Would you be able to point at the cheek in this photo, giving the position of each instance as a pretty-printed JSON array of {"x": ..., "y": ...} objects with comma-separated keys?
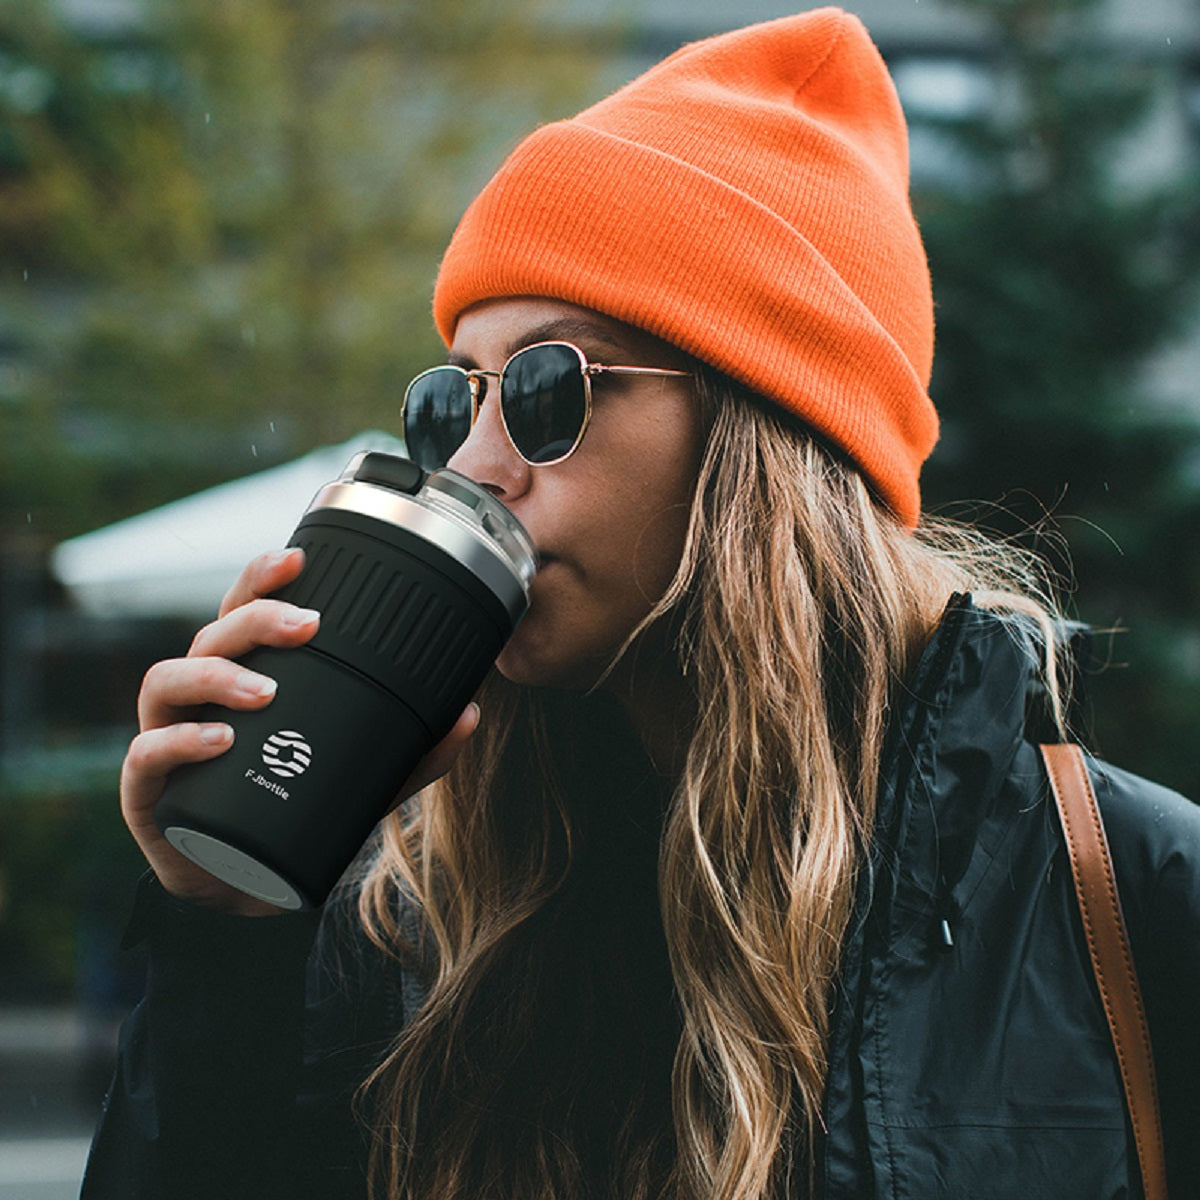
[
  {"x": 621, "y": 516},
  {"x": 655, "y": 555},
  {"x": 627, "y": 548},
  {"x": 645, "y": 540}
]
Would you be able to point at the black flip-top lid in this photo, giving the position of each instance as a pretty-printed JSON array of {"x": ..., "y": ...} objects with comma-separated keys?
[{"x": 387, "y": 470}]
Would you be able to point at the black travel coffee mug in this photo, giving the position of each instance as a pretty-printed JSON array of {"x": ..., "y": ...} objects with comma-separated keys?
[{"x": 420, "y": 579}]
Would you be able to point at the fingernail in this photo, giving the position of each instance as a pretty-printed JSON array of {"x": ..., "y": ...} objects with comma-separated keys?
[
  {"x": 295, "y": 617},
  {"x": 215, "y": 735},
  {"x": 251, "y": 684}
]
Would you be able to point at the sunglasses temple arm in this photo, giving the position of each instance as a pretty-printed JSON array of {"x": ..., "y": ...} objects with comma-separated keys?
[{"x": 600, "y": 368}]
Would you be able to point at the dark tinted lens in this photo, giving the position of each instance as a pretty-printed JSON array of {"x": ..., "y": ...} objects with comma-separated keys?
[
  {"x": 437, "y": 416},
  {"x": 544, "y": 402}
]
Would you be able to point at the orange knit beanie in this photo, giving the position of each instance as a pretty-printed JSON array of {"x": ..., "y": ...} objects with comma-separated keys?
[{"x": 747, "y": 201}]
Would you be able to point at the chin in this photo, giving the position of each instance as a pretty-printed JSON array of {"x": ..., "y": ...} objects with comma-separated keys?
[
  {"x": 541, "y": 666},
  {"x": 567, "y": 677}
]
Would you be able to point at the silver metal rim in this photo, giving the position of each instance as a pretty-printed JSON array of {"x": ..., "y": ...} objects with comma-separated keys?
[{"x": 452, "y": 526}]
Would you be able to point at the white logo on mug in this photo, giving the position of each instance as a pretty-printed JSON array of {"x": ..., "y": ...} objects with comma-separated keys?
[{"x": 286, "y": 754}]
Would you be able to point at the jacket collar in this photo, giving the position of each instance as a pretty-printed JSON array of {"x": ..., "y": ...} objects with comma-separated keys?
[{"x": 975, "y": 699}]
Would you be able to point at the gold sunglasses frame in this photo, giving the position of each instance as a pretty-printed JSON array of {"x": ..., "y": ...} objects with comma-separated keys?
[{"x": 477, "y": 376}]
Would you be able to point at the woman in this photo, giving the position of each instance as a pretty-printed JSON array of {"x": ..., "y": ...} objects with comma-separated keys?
[{"x": 747, "y": 883}]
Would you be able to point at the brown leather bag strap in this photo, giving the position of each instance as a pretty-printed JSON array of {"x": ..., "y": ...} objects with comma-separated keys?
[{"x": 1112, "y": 962}]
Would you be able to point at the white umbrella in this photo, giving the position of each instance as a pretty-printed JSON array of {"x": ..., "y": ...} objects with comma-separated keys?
[{"x": 178, "y": 560}]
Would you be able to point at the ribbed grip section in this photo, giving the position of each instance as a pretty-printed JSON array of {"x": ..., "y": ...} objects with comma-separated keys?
[{"x": 388, "y": 612}]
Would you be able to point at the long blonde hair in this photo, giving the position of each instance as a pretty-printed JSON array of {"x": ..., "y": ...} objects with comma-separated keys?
[{"x": 797, "y": 608}]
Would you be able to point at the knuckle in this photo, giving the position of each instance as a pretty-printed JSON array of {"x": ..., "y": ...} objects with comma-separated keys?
[
  {"x": 154, "y": 677},
  {"x": 139, "y": 757},
  {"x": 202, "y": 638},
  {"x": 251, "y": 582},
  {"x": 236, "y": 596},
  {"x": 209, "y": 674},
  {"x": 199, "y": 674},
  {"x": 262, "y": 563}
]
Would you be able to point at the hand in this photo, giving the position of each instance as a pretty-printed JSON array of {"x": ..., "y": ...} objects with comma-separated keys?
[{"x": 171, "y": 735}]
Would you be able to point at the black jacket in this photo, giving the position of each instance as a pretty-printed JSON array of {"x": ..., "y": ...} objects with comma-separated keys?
[{"x": 969, "y": 1054}]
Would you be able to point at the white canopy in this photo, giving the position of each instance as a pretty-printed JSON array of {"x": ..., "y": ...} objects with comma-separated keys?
[{"x": 178, "y": 560}]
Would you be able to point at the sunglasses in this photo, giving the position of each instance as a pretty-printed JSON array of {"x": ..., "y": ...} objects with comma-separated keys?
[{"x": 545, "y": 404}]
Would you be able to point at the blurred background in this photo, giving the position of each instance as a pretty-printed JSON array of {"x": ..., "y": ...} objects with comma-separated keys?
[{"x": 219, "y": 224}]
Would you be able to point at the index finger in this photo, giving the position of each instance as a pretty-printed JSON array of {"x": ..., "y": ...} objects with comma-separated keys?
[{"x": 262, "y": 576}]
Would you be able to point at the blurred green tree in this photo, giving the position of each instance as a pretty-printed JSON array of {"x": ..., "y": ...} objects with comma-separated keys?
[
  {"x": 1057, "y": 276},
  {"x": 220, "y": 223}
]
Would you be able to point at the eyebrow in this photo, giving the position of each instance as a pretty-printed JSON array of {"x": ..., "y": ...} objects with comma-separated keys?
[{"x": 560, "y": 329}]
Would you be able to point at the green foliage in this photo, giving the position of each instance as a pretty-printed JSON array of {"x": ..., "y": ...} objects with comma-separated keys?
[
  {"x": 1057, "y": 277},
  {"x": 219, "y": 229}
]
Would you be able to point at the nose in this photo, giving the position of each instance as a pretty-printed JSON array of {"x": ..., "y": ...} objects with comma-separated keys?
[{"x": 489, "y": 458}]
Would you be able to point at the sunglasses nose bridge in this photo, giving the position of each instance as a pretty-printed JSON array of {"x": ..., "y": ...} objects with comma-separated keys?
[{"x": 477, "y": 380}]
